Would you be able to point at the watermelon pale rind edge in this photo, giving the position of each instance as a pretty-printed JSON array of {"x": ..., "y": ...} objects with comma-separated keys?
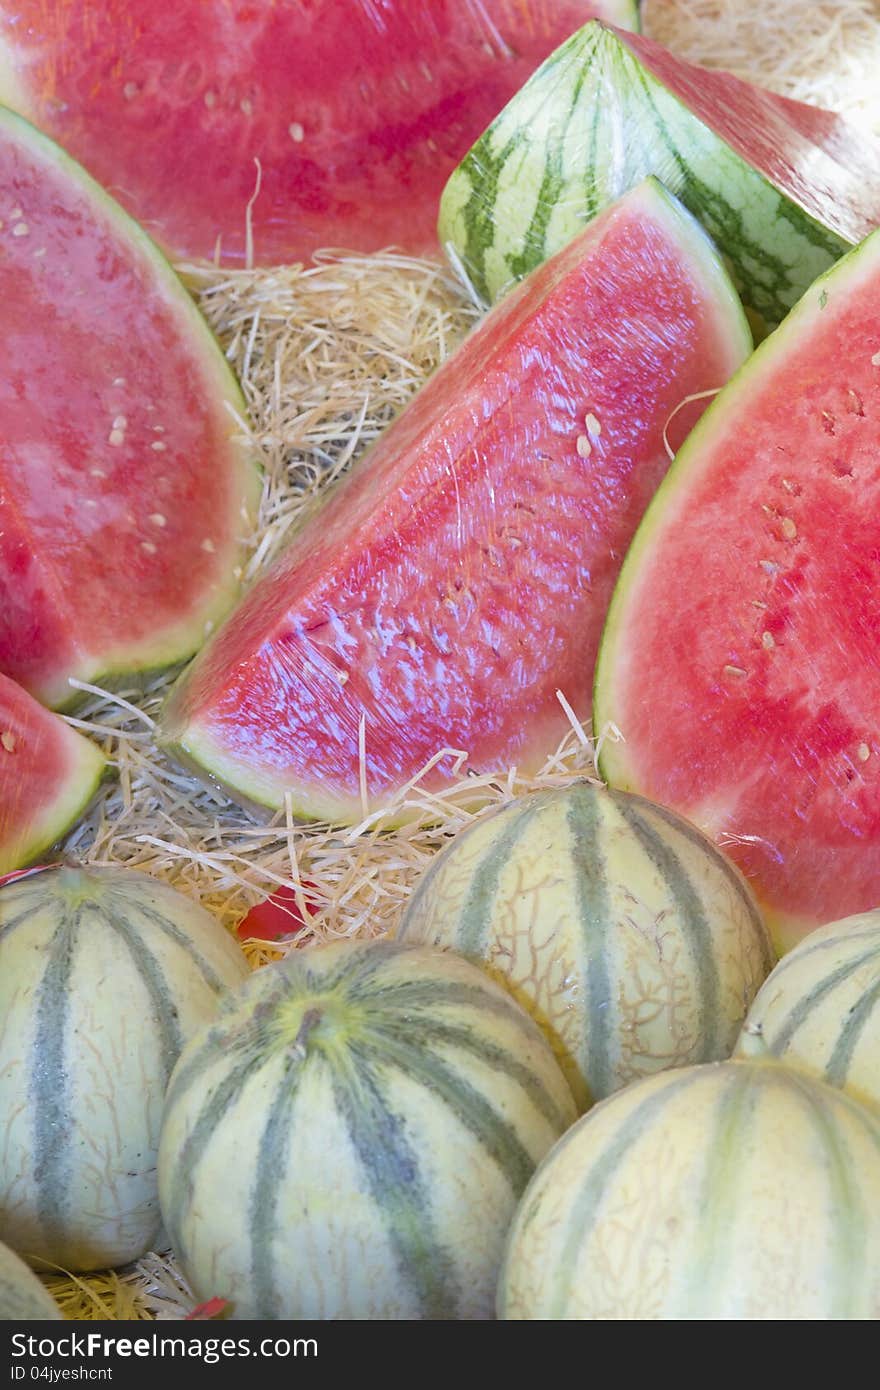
[
  {"x": 82, "y": 780},
  {"x": 182, "y": 641},
  {"x": 614, "y": 765},
  {"x": 196, "y": 750}
]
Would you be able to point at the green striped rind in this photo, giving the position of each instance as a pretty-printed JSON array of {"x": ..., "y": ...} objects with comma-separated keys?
[
  {"x": 217, "y": 382},
  {"x": 819, "y": 1009},
  {"x": 628, "y": 936},
  {"x": 350, "y": 1139},
  {"x": 590, "y": 124},
  {"x": 733, "y": 1191},
  {"x": 28, "y": 831},
  {"x": 104, "y": 974},
  {"x": 22, "y": 1297}
]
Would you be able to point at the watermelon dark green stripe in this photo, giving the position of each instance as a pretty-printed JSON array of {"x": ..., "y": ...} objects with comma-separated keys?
[
  {"x": 53, "y": 1121},
  {"x": 696, "y": 928},
  {"x": 476, "y": 916},
  {"x": 391, "y": 1168},
  {"x": 584, "y": 820}
]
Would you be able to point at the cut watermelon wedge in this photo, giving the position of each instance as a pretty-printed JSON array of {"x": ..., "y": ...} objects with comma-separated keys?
[
  {"x": 357, "y": 113},
  {"x": 783, "y": 188},
  {"x": 48, "y": 775},
  {"x": 459, "y": 577},
  {"x": 124, "y": 488},
  {"x": 741, "y": 660}
]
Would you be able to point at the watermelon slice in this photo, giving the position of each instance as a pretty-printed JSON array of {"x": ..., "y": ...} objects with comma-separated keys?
[
  {"x": 459, "y": 576},
  {"x": 48, "y": 775},
  {"x": 123, "y": 482},
  {"x": 783, "y": 188},
  {"x": 357, "y": 113},
  {"x": 742, "y": 656}
]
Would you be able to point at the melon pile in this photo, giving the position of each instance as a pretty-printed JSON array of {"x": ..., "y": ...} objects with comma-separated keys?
[{"x": 515, "y": 1042}]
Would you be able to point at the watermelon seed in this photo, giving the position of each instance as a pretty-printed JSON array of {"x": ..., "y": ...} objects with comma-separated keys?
[
  {"x": 769, "y": 567},
  {"x": 875, "y": 360},
  {"x": 864, "y": 752},
  {"x": 828, "y": 422},
  {"x": 130, "y": 90},
  {"x": 15, "y": 213},
  {"x": 158, "y": 446},
  {"x": 788, "y": 528},
  {"x": 210, "y": 98},
  {"x": 208, "y": 545},
  {"x": 148, "y": 547},
  {"x": 296, "y": 132},
  {"x": 855, "y": 404},
  {"x": 157, "y": 519},
  {"x": 246, "y": 106},
  {"x": 119, "y": 381},
  {"x": 584, "y": 447},
  {"x": 116, "y": 437},
  {"x": 768, "y": 642},
  {"x": 734, "y": 671},
  {"x": 8, "y": 741},
  {"x": 594, "y": 429},
  {"x": 120, "y": 422},
  {"x": 20, "y": 229}
]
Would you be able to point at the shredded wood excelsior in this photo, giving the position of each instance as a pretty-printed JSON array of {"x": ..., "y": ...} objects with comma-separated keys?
[{"x": 326, "y": 356}]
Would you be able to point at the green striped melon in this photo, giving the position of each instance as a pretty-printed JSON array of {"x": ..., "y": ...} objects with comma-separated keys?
[
  {"x": 820, "y": 1007},
  {"x": 782, "y": 187},
  {"x": 23, "y": 1298},
  {"x": 630, "y": 938},
  {"x": 351, "y": 1137},
  {"x": 738, "y": 1190},
  {"x": 104, "y": 974}
]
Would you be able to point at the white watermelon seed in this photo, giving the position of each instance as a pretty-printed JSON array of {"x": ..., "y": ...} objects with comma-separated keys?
[
  {"x": 768, "y": 642},
  {"x": 864, "y": 752},
  {"x": 8, "y": 741},
  {"x": 296, "y": 132},
  {"x": 584, "y": 447},
  {"x": 116, "y": 437},
  {"x": 788, "y": 528}
]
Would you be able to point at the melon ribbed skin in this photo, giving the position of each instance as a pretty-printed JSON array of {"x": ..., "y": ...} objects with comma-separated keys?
[
  {"x": 104, "y": 974},
  {"x": 350, "y": 1139},
  {"x": 22, "y": 1297},
  {"x": 739, "y": 1190},
  {"x": 626, "y": 934},
  {"x": 820, "y": 1007}
]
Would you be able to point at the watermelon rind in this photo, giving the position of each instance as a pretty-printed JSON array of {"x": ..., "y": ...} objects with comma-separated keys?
[
  {"x": 591, "y": 122},
  {"x": 669, "y": 507},
  {"x": 86, "y": 772},
  {"x": 181, "y": 640},
  {"x": 192, "y": 745}
]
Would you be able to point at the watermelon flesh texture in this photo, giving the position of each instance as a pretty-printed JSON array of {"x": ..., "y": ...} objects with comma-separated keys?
[
  {"x": 48, "y": 775},
  {"x": 783, "y": 188},
  {"x": 357, "y": 113},
  {"x": 459, "y": 577},
  {"x": 742, "y": 655},
  {"x": 124, "y": 488}
]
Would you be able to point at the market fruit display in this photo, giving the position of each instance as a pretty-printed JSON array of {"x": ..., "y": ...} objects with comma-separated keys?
[
  {"x": 766, "y": 669},
  {"x": 741, "y": 1191},
  {"x": 125, "y": 489},
  {"x": 458, "y": 578},
  {"x": 784, "y": 188},
  {"x": 633, "y": 942},
  {"x": 22, "y": 1297},
  {"x": 228, "y": 127},
  {"x": 351, "y": 1137},
  {"x": 818, "y": 1009},
  {"x": 104, "y": 975},
  {"x": 48, "y": 775}
]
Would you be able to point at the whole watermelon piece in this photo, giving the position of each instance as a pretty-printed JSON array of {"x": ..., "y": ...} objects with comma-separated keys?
[
  {"x": 458, "y": 578},
  {"x": 782, "y": 187},
  {"x": 347, "y": 117},
  {"x": 741, "y": 659},
  {"x": 125, "y": 489}
]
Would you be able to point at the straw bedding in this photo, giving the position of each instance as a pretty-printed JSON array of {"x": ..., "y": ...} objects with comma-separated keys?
[{"x": 326, "y": 355}]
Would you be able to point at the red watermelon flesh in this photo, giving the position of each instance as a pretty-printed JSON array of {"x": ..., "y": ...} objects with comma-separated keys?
[
  {"x": 48, "y": 775},
  {"x": 742, "y": 656},
  {"x": 122, "y": 478},
  {"x": 460, "y": 576},
  {"x": 357, "y": 112}
]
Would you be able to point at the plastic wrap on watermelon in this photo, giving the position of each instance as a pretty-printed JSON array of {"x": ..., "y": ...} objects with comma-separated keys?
[
  {"x": 48, "y": 775},
  {"x": 458, "y": 578},
  {"x": 232, "y": 129},
  {"x": 783, "y": 188}
]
